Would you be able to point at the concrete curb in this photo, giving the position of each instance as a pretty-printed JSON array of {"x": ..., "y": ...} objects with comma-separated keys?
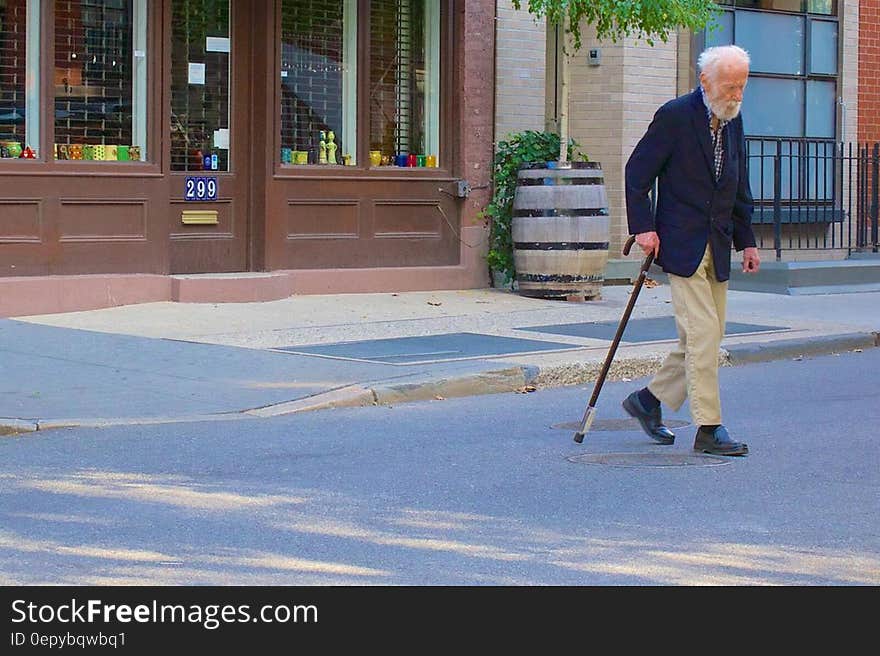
[
  {"x": 510, "y": 379},
  {"x": 344, "y": 397},
  {"x": 10, "y": 426},
  {"x": 487, "y": 382}
]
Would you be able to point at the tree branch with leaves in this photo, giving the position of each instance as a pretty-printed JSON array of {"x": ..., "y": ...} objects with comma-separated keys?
[{"x": 614, "y": 20}]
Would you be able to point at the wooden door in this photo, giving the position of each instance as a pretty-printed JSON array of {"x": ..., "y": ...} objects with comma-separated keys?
[{"x": 209, "y": 130}]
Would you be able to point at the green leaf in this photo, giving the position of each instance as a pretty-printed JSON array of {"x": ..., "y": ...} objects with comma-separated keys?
[{"x": 616, "y": 19}]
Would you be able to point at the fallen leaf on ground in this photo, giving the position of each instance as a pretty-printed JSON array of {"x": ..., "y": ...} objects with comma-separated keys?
[
  {"x": 650, "y": 282},
  {"x": 440, "y": 398},
  {"x": 434, "y": 303},
  {"x": 525, "y": 389}
]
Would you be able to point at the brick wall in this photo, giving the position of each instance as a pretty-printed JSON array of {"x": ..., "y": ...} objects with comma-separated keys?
[
  {"x": 520, "y": 54},
  {"x": 869, "y": 70},
  {"x": 611, "y": 106},
  {"x": 475, "y": 82}
]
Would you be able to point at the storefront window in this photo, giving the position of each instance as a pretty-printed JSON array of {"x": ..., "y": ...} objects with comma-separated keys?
[
  {"x": 100, "y": 80},
  {"x": 200, "y": 51},
  {"x": 318, "y": 82},
  {"x": 19, "y": 78},
  {"x": 405, "y": 81}
]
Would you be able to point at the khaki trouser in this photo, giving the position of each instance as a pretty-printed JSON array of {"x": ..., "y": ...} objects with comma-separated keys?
[{"x": 691, "y": 370}]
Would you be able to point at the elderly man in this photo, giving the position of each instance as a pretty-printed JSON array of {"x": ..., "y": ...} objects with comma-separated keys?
[{"x": 695, "y": 149}]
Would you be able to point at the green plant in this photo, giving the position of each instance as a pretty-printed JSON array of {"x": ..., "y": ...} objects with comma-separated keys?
[{"x": 519, "y": 148}]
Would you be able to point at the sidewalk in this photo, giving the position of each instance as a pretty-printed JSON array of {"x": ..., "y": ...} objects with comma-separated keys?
[{"x": 171, "y": 362}]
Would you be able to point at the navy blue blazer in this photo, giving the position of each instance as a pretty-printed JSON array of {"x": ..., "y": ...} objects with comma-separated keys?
[{"x": 693, "y": 209}]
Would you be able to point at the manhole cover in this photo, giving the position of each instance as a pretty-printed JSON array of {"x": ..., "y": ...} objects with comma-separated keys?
[
  {"x": 616, "y": 424},
  {"x": 649, "y": 460}
]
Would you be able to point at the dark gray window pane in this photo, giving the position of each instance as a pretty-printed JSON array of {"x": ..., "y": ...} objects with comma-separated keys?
[
  {"x": 827, "y": 7},
  {"x": 774, "y": 107},
  {"x": 775, "y": 42},
  {"x": 821, "y": 105},
  {"x": 823, "y": 47},
  {"x": 781, "y": 5},
  {"x": 722, "y": 35}
]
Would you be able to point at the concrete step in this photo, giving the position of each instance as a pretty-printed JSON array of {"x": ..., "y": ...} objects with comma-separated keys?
[
  {"x": 801, "y": 278},
  {"x": 240, "y": 287},
  {"x": 860, "y": 273}
]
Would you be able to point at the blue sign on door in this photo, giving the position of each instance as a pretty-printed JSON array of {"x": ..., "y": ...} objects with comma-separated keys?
[{"x": 200, "y": 188}]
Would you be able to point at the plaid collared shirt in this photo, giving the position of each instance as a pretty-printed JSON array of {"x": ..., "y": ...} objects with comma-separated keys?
[
  {"x": 717, "y": 143},
  {"x": 717, "y": 132}
]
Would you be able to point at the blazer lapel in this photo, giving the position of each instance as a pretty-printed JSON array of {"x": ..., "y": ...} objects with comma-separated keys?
[{"x": 701, "y": 127}]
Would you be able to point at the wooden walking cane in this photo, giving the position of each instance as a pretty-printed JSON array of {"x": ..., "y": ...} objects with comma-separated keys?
[{"x": 591, "y": 409}]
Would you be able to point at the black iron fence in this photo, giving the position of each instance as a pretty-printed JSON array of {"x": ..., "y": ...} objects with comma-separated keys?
[{"x": 813, "y": 194}]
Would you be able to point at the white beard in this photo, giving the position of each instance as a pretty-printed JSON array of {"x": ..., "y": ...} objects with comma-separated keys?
[{"x": 726, "y": 111}]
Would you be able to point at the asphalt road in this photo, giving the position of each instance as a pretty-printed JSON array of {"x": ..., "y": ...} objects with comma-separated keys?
[{"x": 484, "y": 490}]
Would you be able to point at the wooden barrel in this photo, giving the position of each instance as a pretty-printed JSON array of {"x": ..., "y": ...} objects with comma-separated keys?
[{"x": 560, "y": 230}]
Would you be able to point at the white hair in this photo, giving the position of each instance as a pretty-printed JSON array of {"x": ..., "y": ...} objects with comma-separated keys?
[{"x": 710, "y": 58}]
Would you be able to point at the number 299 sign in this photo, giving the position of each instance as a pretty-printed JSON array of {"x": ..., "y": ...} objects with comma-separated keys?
[{"x": 200, "y": 188}]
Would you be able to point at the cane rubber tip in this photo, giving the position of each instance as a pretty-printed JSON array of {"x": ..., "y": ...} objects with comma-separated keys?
[{"x": 578, "y": 437}]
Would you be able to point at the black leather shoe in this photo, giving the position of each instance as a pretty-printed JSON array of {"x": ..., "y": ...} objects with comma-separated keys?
[
  {"x": 651, "y": 420},
  {"x": 719, "y": 443}
]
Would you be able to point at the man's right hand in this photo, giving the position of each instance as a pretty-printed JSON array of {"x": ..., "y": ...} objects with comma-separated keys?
[{"x": 649, "y": 243}]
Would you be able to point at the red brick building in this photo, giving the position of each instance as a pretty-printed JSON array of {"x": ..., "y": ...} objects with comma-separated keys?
[{"x": 869, "y": 70}]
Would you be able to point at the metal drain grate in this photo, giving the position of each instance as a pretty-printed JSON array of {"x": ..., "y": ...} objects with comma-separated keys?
[
  {"x": 654, "y": 329},
  {"x": 649, "y": 460},
  {"x": 628, "y": 424},
  {"x": 430, "y": 348}
]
